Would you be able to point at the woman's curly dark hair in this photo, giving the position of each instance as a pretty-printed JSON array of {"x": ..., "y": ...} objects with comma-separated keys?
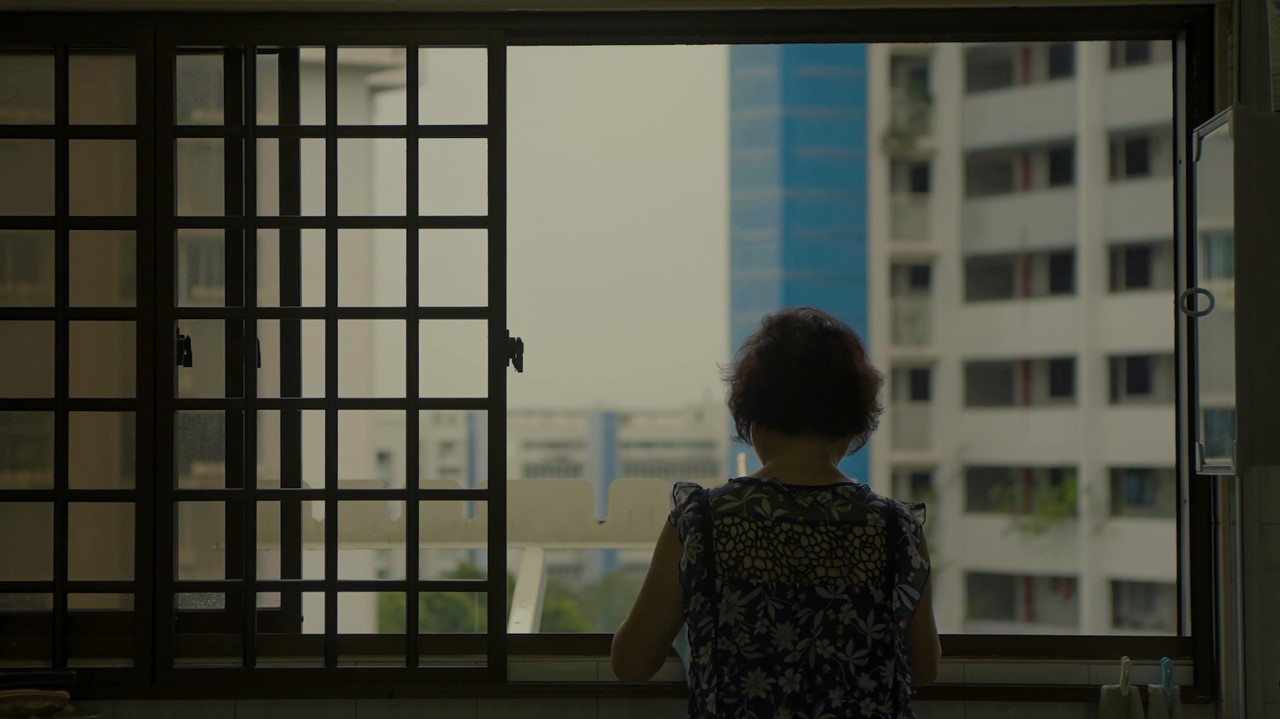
[{"x": 804, "y": 372}]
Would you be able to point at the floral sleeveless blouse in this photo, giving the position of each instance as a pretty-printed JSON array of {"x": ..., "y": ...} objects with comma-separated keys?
[{"x": 798, "y": 605}]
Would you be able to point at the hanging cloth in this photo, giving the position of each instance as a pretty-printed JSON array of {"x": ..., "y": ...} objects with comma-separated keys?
[
  {"x": 1160, "y": 706},
  {"x": 1116, "y": 703}
]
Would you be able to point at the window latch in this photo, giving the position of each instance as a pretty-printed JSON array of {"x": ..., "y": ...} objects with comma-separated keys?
[
  {"x": 515, "y": 352},
  {"x": 184, "y": 356}
]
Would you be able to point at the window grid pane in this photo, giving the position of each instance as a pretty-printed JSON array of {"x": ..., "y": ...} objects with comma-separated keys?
[
  {"x": 71, "y": 525},
  {"x": 325, "y": 286}
]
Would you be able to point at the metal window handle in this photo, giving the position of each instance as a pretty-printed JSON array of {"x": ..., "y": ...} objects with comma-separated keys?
[
  {"x": 184, "y": 356},
  {"x": 1186, "y": 299},
  {"x": 515, "y": 352}
]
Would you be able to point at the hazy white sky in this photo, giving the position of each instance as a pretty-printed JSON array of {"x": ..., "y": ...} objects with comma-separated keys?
[{"x": 618, "y": 214}]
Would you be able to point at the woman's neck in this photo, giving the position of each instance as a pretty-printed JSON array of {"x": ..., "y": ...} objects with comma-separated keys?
[
  {"x": 803, "y": 473},
  {"x": 799, "y": 459}
]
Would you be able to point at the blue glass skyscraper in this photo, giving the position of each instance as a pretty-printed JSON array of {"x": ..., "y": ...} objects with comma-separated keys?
[{"x": 798, "y": 189}]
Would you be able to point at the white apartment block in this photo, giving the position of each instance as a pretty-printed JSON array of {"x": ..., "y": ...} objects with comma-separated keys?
[{"x": 1021, "y": 265}]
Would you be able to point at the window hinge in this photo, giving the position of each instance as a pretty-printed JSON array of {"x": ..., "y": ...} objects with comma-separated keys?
[
  {"x": 184, "y": 357},
  {"x": 515, "y": 352}
]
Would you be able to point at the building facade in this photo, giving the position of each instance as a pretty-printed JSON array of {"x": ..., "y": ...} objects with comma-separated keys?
[{"x": 1021, "y": 289}]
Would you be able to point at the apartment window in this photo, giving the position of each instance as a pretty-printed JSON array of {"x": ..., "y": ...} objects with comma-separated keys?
[
  {"x": 1049, "y": 601},
  {"x": 1141, "y": 379},
  {"x": 1137, "y": 375},
  {"x": 1062, "y": 60},
  {"x": 1219, "y": 431},
  {"x": 1062, "y": 378},
  {"x": 1062, "y": 273},
  {"x": 989, "y": 384},
  {"x": 919, "y": 277},
  {"x": 990, "y": 278},
  {"x": 554, "y": 444},
  {"x": 671, "y": 469},
  {"x": 986, "y": 175},
  {"x": 1131, "y": 267},
  {"x": 918, "y": 177},
  {"x": 989, "y": 68},
  {"x": 1131, "y": 157},
  {"x": 1062, "y": 166},
  {"x": 1050, "y": 493},
  {"x": 1218, "y": 253},
  {"x": 913, "y": 485},
  {"x": 990, "y": 489},
  {"x": 991, "y": 597},
  {"x": 918, "y": 78},
  {"x": 919, "y": 379},
  {"x": 1144, "y": 606},
  {"x": 552, "y": 470},
  {"x": 1127, "y": 53},
  {"x": 1025, "y": 382},
  {"x": 1131, "y": 377},
  {"x": 1145, "y": 492}
]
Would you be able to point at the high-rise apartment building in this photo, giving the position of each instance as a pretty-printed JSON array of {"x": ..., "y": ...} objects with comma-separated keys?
[
  {"x": 1021, "y": 295},
  {"x": 798, "y": 188}
]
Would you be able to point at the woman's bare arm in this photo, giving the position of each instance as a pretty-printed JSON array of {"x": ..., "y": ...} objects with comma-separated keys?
[
  {"x": 643, "y": 641},
  {"x": 923, "y": 648}
]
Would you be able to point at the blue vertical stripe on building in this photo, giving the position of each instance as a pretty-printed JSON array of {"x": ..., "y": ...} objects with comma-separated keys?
[{"x": 798, "y": 190}]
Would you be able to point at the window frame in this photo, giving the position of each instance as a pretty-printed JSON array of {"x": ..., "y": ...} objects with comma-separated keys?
[{"x": 1192, "y": 27}]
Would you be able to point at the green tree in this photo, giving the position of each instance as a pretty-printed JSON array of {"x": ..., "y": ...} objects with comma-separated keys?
[
  {"x": 442, "y": 612},
  {"x": 1049, "y": 505},
  {"x": 611, "y": 598},
  {"x": 564, "y": 609},
  {"x": 598, "y": 606}
]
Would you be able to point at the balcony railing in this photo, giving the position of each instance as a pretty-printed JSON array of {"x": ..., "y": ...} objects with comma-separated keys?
[
  {"x": 912, "y": 321},
  {"x": 912, "y": 425},
  {"x": 909, "y": 216}
]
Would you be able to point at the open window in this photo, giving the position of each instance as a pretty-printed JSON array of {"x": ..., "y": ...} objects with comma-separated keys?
[{"x": 278, "y": 377}]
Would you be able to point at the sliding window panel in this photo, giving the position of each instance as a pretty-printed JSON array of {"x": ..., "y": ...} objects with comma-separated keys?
[
  {"x": 75, "y": 180},
  {"x": 1212, "y": 299},
  {"x": 300, "y": 317}
]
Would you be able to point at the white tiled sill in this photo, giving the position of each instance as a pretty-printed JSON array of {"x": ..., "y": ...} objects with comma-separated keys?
[
  {"x": 569, "y": 708},
  {"x": 593, "y": 669},
  {"x": 970, "y": 671}
]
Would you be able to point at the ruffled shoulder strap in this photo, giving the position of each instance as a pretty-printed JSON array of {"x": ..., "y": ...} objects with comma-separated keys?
[
  {"x": 683, "y": 496},
  {"x": 908, "y": 573}
]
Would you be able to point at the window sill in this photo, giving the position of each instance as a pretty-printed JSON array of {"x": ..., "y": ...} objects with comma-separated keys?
[{"x": 959, "y": 679}]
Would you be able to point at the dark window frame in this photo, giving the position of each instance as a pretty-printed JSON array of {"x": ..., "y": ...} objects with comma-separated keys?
[{"x": 1194, "y": 57}]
